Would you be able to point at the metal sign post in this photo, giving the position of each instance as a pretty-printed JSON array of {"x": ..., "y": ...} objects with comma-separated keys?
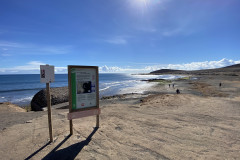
[{"x": 47, "y": 76}]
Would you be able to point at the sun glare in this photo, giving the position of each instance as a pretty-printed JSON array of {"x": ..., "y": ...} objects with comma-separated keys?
[{"x": 143, "y": 2}]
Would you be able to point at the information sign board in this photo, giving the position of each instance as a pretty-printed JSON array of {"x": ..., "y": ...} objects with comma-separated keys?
[{"x": 83, "y": 87}]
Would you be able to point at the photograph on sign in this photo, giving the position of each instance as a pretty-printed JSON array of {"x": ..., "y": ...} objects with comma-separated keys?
[
  {"x": 83, "y": 87},
  {"x": 42, "y": 73}
]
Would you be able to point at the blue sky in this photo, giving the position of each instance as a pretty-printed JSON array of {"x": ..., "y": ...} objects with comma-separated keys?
[{"x": 118, "y": 35}]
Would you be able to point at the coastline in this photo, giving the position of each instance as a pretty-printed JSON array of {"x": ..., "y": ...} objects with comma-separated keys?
[
  {"x": 202, "y": 122},
  {"x": 18, "y": 92}
]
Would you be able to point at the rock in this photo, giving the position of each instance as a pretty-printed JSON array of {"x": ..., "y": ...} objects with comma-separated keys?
[
  {"x": 28, "y": 121},
  {"x": 58, "y": 95}
]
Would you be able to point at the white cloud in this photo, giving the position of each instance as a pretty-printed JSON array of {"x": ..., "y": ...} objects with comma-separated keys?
[
  {"x": 109, "y": 69},
  {"x": 5, "y": 55},
  {"x": 117, "y": 40},
  {"x": 173, "y": 32},
  {"x": 34, "y": 66},
  {"x": 187, "y": 66},
  {"x": 203, "y": 65},
  {"x": 9, "y": 44},
  {"x": 30, "y": 48},
  {"x": 60, "y": 69},
  {"x": 55, "y": 49},
  {"x": 31, "y": 67}
]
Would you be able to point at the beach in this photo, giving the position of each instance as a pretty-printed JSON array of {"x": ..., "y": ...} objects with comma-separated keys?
[
  {"x": 20, "y": 88},
  {"x": 202, "y": 122}
]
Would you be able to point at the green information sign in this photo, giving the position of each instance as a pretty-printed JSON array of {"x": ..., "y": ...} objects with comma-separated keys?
[{"x": 83, "y": 87}]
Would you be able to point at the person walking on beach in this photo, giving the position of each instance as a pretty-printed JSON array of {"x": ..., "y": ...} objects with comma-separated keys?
[
  {"x": 178, "y": 91},
  {"x": 220, "y": 84},
  {"x": 169, "y": 85},
  {"x": 173, "y": 85}
]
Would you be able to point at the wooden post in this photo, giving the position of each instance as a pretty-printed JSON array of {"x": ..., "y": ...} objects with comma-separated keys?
[
  {"x": 97, "y": 116},
  {"x": 70, "y": 100},
  {"x": 71, "y": 127},
  {"x": 49, "y": 111},
  {"x": 97, "y": 121}
]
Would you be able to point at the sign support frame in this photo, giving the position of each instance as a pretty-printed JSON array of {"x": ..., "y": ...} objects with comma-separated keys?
[
  {"x": 83, "y": 110},
  {"x": 70, "y": 99}
]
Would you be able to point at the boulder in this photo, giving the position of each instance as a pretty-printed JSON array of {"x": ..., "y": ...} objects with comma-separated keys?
[{"x": 58, "y": 95}]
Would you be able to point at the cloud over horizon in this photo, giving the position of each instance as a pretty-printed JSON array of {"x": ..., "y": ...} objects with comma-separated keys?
[
  {"x": 33, "y": 67},
  {"x": 186, "y": 66}
]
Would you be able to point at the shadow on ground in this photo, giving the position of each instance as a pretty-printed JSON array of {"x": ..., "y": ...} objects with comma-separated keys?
[
  {"x": 70, "y": 152},
  {"x": 36, "y": 152}
]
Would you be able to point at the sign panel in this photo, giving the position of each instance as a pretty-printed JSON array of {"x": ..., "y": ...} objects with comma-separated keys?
[
  {"x": 46, "y": 74},
  {"x": 83, "y": 87}
]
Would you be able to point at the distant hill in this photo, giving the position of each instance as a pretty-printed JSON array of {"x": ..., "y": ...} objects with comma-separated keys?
[
  {"x": 233, "y": 70},
  {"x": 233, "y": 66}
]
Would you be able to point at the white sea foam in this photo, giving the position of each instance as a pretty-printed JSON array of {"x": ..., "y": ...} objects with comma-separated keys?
[
  {"x": 144, "y": 77},
  {"x": 138, "y": 86},
  {"x": 3, "y": 99},
  {"x": 24, "y": 99},
  {"x": 109, "y": 85},
  {"x": 103, "y": 89}
]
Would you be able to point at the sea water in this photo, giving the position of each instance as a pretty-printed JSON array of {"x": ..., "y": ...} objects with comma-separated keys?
[{"x": 20, "y": 88}]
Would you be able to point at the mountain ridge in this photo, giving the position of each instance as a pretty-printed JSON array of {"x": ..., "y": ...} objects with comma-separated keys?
[{"x": 233, "y": 70}]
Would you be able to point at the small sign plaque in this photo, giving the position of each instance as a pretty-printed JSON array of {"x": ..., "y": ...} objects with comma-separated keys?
[{"x": 46, "y": 74}]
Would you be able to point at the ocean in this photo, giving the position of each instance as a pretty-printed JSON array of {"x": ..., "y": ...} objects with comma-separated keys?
[{"x": 19, "y": 89}]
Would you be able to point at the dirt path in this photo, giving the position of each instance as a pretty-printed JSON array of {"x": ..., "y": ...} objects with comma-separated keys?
[{"x": 162, "y": 127}]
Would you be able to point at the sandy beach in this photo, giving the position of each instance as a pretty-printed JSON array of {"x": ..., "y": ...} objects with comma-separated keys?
[{"x": 202, "y": 122}]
